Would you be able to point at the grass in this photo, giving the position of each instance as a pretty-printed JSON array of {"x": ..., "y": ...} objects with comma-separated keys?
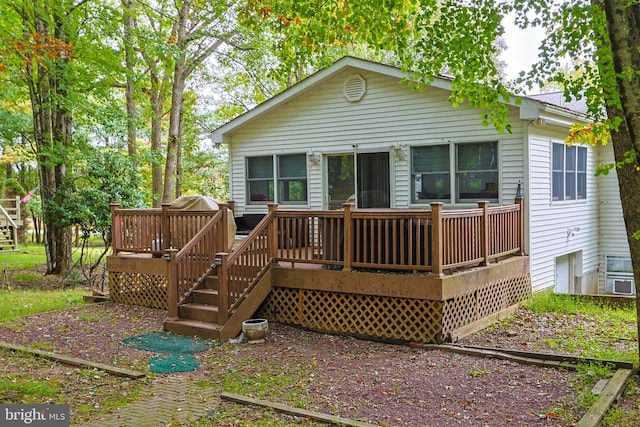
[
  {"x": 600, "y": 327},
  {"x": 594, "y": 328},
  {"x": 18, "y": 303},
  {"x": 28, "y": 257}
]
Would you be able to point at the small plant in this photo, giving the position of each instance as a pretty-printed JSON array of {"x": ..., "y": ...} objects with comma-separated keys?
[{"x": 478, "y": 372}]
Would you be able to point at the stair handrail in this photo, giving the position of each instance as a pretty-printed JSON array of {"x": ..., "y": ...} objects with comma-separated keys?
[
  {"x": 211, "y": 241},
  {"x": 8, "y": 217},
  {"x": 231, "y": 296},
  {"x": 13, "y": 224}
]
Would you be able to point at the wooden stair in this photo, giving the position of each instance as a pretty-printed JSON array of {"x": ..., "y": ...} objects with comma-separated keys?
[
  {"x": 7, "y": 238},
  {"x": 198, "y": 315}
]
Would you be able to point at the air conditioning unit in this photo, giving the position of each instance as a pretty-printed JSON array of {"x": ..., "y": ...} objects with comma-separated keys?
[
  {"x": 623, "y": 286},
  {"x": 619, "y": 275}
]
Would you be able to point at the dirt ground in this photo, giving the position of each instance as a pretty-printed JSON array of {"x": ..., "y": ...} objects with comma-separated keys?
[{"x": 384, "y": 384}]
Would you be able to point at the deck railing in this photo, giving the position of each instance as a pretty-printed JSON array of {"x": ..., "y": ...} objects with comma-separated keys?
[
  {"x": 189, "y": 266},
  {"x": 416, "y": 240},
  {"x": 240, "y": 270},
  {"x": 154, "y": 230},
  {"x": 433, "y": 241}
]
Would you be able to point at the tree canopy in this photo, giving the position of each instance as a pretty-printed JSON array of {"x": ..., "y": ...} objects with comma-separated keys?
[{"x": 81, "y": 75}]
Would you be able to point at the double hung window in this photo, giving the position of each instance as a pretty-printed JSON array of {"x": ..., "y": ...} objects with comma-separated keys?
[
  {"x": 569, "y": 172},
  {"x": 277, "y": 178}
]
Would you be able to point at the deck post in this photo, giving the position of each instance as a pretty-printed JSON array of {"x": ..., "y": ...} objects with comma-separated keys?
[
  {"x": 520, "y": 202},
  {"x": 172, "y": 284},
  {"x": 437, "y": 248},
  {"x": 18, "y": 213},
  {"x": 484, "y": 230},
  {"x": 116, "y": 228},
  {"x": 165, "y": 228},
  {"x": 273, "y": 232},
  {"x": 349, "y": 237},
  {"x": 223, "y": 287},
  {"x": 232, "y": 205},
  {"x": 224, "y": 239}
]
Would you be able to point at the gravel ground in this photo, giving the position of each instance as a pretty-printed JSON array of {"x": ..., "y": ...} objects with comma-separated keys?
[{"x": 385, "y": 384}]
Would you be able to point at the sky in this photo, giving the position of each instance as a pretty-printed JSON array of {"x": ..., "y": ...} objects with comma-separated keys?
[{"x": 522, "y": 47}]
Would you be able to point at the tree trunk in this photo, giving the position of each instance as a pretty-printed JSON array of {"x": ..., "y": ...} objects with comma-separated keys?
[
  {"x": 622, "y": 28},
  {"x": 177, "y": 100},
  {"x": 130, "y": 84},
  {"x": 52, "y": 133},
  {"x": 157, "y": 101}
]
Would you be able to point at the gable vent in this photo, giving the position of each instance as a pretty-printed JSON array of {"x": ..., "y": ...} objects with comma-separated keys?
[{"x": 354, "y": 87}]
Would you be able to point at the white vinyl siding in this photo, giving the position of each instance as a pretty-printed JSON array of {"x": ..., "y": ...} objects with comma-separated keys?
[
  {"x": 558, "y": 229},
  {"x": 613, "y": 235},
  {"x": 391, "y": 117}
]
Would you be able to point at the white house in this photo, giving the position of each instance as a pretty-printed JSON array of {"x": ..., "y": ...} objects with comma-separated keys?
[{"x": 356, "y": 131}]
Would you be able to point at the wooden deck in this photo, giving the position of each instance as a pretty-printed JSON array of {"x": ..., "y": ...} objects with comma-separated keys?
[{"x": 389, "y": 275}]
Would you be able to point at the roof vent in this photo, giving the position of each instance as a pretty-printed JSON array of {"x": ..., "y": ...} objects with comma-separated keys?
[{"x": 354, "y": 87}]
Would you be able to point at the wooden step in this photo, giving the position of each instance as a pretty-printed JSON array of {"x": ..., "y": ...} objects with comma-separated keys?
[
  {"x": 193, "y": 328},
  {"x": 201, "y": 312},
  {"x": 205, "y": 296},
  {"x": 211, "y": 282}
]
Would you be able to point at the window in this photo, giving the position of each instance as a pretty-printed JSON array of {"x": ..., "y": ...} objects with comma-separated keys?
[
  {"x": 477, "y": 171},
  {"x": 260, "y": 179},
  {"x": 290, "y": 185},
  {"x": 431, "y": 177},
  {"x": 474, "y": 172},
  {"x": 292, "y": 178},
  {"x": 568, "y": 172}
]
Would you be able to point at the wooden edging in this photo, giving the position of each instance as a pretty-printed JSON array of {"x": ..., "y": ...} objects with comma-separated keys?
[
  {"x": 609, "y": 395},
  {"x": 74, "y": 361},
  {"x": 331, "y": 419},
  {"x": 530, "y": 358}
]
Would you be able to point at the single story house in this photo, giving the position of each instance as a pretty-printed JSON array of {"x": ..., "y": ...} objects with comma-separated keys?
[{"x": 357, "y": 132}]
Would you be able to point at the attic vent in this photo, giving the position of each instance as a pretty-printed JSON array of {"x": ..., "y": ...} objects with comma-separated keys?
[{"x": 354, "y": 87}]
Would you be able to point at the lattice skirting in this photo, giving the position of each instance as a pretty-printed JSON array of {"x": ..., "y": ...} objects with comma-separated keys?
[
  {"x": 138, "y": 289},
  {"x": 381, "y": 318},
  {"x": 389, "y": 318},
  {"x": 484, "y": 301}
]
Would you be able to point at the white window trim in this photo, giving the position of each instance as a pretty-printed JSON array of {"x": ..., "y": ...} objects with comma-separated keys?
[
  {"x": 275, "y": 179},
  {"x": 454, "y": 200},
  {"x": 566, "y": 201}
]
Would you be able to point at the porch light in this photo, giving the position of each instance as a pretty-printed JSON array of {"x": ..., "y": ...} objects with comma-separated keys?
[
  {"x": 314, "y": 158},
  {"x": 218, "y": 261}
]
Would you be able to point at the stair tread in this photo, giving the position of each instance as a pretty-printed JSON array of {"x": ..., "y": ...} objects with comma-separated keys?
[
  {"x": 206, "y": 291},
  {"x": 195, "y": 323},
  {"x": 200, "y": 306}
]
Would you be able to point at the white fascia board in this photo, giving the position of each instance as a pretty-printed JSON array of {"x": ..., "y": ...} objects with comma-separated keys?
[{"x": 560, "y": 117}]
